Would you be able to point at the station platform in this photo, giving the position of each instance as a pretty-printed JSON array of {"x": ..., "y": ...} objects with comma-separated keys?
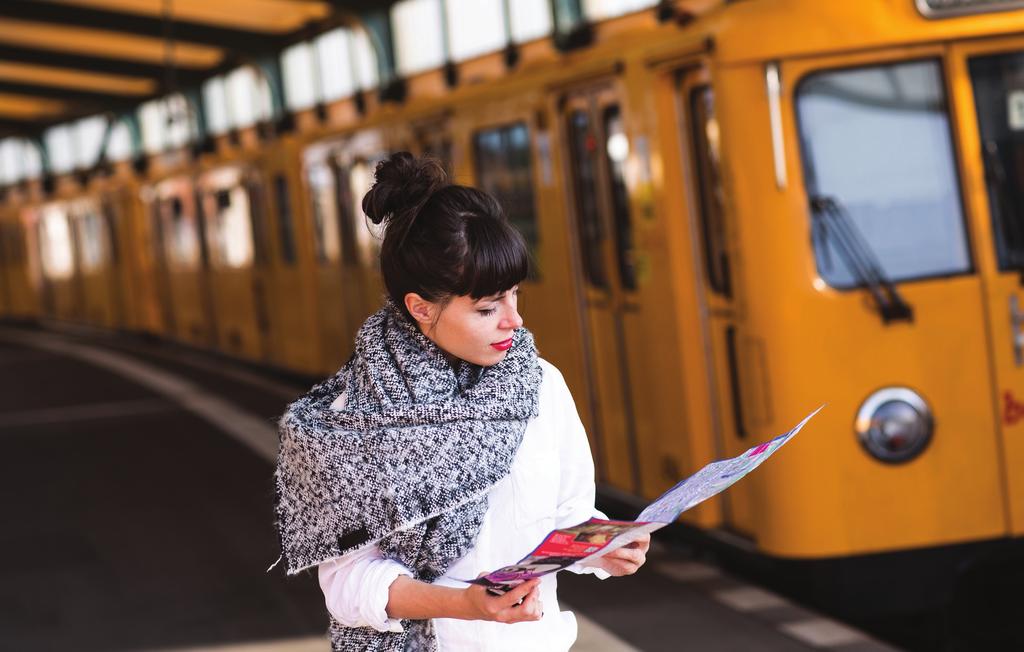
[{"x": 136, "y": 481}]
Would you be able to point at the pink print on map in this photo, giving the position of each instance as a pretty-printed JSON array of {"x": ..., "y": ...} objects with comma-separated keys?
[{"x": 760, "y": 449}]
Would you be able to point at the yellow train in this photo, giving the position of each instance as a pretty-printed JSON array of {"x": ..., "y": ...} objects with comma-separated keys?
[{"x": 738, "y": 211}]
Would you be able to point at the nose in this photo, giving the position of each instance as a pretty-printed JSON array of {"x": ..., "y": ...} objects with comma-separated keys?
[{"x": 512, "y": 319}]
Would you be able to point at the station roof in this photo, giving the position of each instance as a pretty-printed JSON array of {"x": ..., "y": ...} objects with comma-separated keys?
[{"x": 64, "y": 59}]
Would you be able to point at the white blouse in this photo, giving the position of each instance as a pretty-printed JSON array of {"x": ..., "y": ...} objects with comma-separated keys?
[{"x": 551, "y": 485}]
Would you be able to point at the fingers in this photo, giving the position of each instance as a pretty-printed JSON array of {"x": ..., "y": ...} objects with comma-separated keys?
[
  {"x": 625, "y": 561},
  {"x": 619, "y": 567},
  {"x": 531, "y": 609},
  {"x": 632, "y": 555},
  {"x": 504, "y": 608},
  {"x": 518, "y": 593}
]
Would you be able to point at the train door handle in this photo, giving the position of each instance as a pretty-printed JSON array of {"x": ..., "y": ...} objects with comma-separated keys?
[{"x": 1017, "y": 329}]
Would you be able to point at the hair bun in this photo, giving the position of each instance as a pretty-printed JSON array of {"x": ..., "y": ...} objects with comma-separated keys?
[{"x": 402, "y": 184}]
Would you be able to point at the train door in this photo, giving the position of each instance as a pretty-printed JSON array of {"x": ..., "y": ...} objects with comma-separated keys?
[
  {"x": 156, "y": 243},
  {"x": 896, "y": 293},
  {"x": 62, "y": 291},
  {"x": 231, "y": 282},
  {"x": 186, "y": 261},
  {"x": 599, "y": 207},
  {"x": 339, "y": 296},
  {"x": 509, "y": 152},
  {"x": 991, "y": 95},
  {"x": 338, "y": 175},
  {"x": 288, "y": 275},
  {"x": 96, "y": 270},
  {"x": 111, "y": 218},
  {"x": 361, "y": 238},
  {"x": 710, "y": 240}
]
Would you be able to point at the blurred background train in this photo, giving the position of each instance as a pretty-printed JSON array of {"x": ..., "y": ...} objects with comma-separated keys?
[{"x": 738, "y": 211}]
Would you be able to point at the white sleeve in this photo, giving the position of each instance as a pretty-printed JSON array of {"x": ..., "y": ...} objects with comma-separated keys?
[
  {"x": 576, "y": 490},
  {"x": 356, "y": 587}
]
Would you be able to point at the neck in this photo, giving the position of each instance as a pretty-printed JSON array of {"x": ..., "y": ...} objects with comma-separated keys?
[{"x": 453, "y": 360}]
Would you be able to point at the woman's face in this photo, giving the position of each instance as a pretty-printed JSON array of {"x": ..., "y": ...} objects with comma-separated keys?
[{"x": 478, "y": 331}]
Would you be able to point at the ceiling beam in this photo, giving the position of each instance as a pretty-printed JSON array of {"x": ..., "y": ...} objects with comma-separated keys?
[
  {"x": 101, "y": 100},
  {"x": 85, "y": 63},
  {"x": 22, "y": 127},
  {"x": 241, "y": 41}
]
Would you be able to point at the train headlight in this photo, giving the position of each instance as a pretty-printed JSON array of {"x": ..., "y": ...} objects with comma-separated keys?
[{"x": 894, "y": 424}]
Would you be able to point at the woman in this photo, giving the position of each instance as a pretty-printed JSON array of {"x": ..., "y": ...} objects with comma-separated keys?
[{"x": 444, "y": 448}]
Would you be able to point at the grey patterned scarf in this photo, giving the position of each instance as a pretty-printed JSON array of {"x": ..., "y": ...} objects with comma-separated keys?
[{"x": 407, "y": 463}]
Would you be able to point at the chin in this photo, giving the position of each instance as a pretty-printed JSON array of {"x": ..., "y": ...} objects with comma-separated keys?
[{"x": 491, "y": 360}]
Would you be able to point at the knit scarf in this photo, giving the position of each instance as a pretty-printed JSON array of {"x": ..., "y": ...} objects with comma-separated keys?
[{"x": 407, "y": 463}]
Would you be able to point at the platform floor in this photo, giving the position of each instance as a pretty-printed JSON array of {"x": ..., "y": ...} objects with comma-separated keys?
[{"x": 137, "y": 494}]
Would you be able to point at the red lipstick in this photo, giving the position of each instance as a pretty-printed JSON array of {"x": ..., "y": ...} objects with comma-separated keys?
[{"x": 504, "y": 345}]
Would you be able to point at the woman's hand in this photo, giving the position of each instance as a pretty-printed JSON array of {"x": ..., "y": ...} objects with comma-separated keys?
[
  {"x": 627, "y": 559},
  {"x": 481, "y": 605}
]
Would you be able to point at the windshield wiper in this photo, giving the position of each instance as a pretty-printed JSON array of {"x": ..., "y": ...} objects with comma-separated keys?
[{"x": 831, "y": 221}]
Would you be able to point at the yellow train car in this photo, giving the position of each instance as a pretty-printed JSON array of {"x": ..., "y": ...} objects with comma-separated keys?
[
  {"x": 737, "y": 211},
  {"x": 552, "y": 141},
  {"x": 847, "y": 176},
  {"x": 751, "y": 209}
]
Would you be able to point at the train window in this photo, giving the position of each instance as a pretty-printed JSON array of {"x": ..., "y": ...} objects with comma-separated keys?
[
  {"x": 707, "y": 158},
  {"x": 347, "y": 212},
  {"x": 368, "y": 236},
  {"x": 258, "y": 211},
  {"x": 56, "y": 253},
  {"x": 604, "y": 9},
  {"x": 232, "y": 229},
  {"x": 183, "y": 243},
  {"x": 583, "y": 147},
  {"x": 503, "y": 168},
  {"x": 877, "y": 142},
  {"x": 531, "y": 19},
  {"x": 998, "y": 82},
  {"x": 475, "y": 27},
  {"x": 285, "y": 226},
  {"x": 91, "y": 239},
  {"x": 418, "y": 35},
  {"x": 331, "y": 80},
  {"x": 325, "y": 213},
  {"x": 617, "y": 147}
]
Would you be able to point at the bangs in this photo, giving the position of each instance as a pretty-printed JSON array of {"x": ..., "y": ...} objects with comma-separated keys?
[{"x": 496, "y": 259}]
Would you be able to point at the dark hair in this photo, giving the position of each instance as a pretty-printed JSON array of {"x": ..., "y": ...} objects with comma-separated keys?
[{"x": 441, "y": 240}]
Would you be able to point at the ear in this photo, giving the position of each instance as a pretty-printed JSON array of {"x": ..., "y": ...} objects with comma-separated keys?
[{"x": 420, "y": 309}]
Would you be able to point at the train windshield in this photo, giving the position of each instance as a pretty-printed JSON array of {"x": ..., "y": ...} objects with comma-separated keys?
[
  {"x": 999, "y": 96},
  {"x": 877, "y": 141}
]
